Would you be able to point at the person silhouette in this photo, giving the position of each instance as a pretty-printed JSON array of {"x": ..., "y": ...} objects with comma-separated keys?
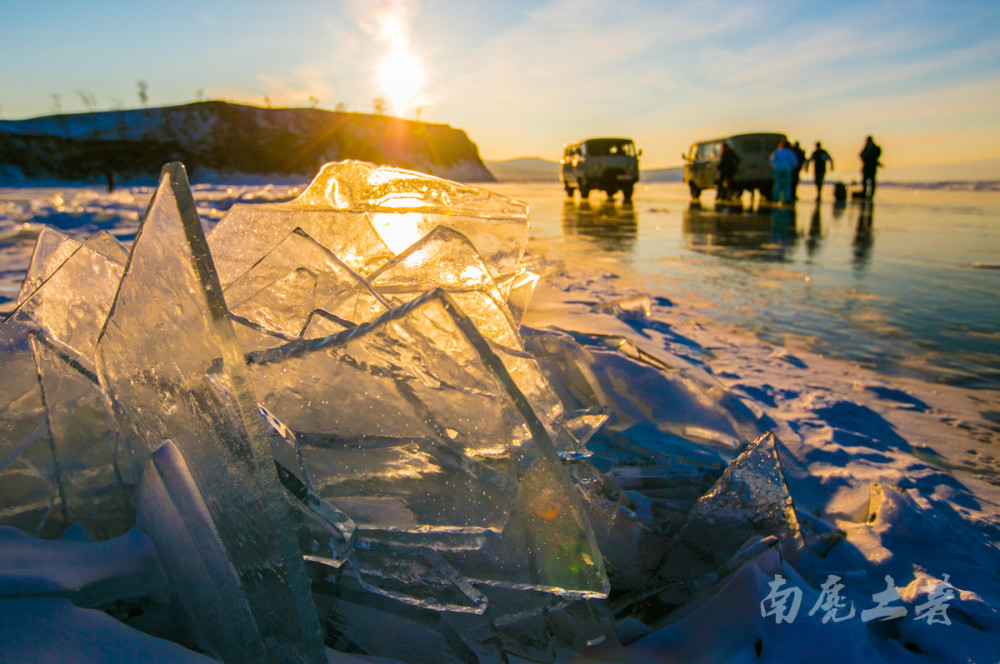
[
  {"x": 729, "y": 161},
  {"x": 819, "y": 159},
  {"x": 870, "y": 155},
  {"x": 800, "y": 161}
]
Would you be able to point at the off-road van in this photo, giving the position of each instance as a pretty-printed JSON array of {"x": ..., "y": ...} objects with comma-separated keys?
[
  {"x": 701, "y": 163},
  {"x": 608, "y": 164}
]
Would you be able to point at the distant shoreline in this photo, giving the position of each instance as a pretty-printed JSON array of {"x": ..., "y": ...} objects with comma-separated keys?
[{"x": 256, "y": 179}]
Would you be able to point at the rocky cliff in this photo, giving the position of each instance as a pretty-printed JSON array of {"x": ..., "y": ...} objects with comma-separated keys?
[{"x": 218, "y": 140}]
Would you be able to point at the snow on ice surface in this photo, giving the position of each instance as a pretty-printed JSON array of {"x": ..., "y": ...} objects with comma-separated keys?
[{"x": 860, "y": 483}]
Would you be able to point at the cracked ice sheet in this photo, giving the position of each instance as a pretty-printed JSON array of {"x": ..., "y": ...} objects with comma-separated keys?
[
  {"x": 53, "y": 247},
  {"x": 366, "y": 214},
  {"x": 282, "y": 290},
  {"x": 63, "y": 315},
  {"x": 173, "y": 372},
  {"x": 423, "y": 375},
  {"x": 445, "y": 258}
]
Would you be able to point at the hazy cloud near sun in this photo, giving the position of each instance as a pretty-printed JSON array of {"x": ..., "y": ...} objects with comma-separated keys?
[
  {"x": 523, "y": 76},
  {"x": 380, "y": 18},
  {"x": 647, "y": 68}
]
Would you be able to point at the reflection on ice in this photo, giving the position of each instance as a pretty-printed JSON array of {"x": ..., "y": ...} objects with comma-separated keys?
[{"x": 325, "y": 417}]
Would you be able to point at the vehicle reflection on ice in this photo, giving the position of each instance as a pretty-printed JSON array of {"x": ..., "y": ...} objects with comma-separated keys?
[
  {"x": 614, "y": 226},
  {"x": 764, "y": 233}
]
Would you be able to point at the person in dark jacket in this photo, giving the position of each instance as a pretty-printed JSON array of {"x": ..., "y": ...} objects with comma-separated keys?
[
  {"x": 819, "y": 159},
  {"x": 870, "y": 155},
  {"x": 800, "y": 157},
  {"x": 729, "y": 161}
]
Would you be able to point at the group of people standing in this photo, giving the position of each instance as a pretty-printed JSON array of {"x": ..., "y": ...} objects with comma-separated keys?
[{"x": 788, "y": 161}]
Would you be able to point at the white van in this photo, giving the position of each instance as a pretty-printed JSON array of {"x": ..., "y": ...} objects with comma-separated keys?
[
  {"x": 608, "y": 164},
  {"x": 701, "y": 163}
]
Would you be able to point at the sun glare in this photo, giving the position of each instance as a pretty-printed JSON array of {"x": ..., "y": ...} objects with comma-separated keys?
[{"x": 400, "y": 77}]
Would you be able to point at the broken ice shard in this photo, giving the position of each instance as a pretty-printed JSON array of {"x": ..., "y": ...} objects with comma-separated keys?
[
  {"x": 751, "y": 499},
  {"x": 419, "y": 577},
  {"x": 283, "y": 289},
  {"x": 356, "y": 620},
  {"x": 63, "y": 315},
  {"x": 745, "y": 512},
  {"x": 404, "y": 206},
  {"x": 93, "y": 486},
  {"x": 366, "y": 214},
  {"x": 53, "y": 247},
  {"x": 169, "y": 362},
  {"x": 399, "y": 421},
  {"x": 445, "y": 259},
  {"x": 517, "y": 288},
  {"x": 411, "y": 423},
  {"x": 249, "y": 231},
  {"x": 173, "y": 513}
]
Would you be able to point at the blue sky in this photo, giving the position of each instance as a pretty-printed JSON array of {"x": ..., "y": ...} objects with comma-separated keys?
[{"x": 522, "y": 78}]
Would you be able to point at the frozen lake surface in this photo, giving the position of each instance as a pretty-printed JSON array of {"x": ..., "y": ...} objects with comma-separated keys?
[
  {"x": 867, "y": 343},
  {"x": 896, "y": 290},
  {"x": 902, "y": 290}
]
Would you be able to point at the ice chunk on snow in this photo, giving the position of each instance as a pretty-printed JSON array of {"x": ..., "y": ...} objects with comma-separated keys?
[
  {"x": 174, "y": 372},
  {"x": 205, "y": 576},
  {"x": 64, "y": 313},
  {"x": 746, "y": 511},
  {"x": 400, "y": 422},
  {"x": 88, "y": 462},
  {"x": 416, "y": 412},
  {"x": 750, "y": 499},
  {"x": 366, "y": 214},
  {"x": 405, "y": 205}
]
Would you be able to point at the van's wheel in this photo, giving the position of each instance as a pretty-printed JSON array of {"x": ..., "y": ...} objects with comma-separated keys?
[
  {"x": 695, "y": 190},
  {"x": 627, "y": 192},
  {"x": 584, "y": 189}
]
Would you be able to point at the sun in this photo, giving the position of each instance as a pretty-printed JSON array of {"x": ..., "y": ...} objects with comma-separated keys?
[{"x": 400, "y": 78}]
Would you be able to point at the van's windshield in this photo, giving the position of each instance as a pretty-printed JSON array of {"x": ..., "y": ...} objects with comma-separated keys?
[{"x": 605, "y": 147}]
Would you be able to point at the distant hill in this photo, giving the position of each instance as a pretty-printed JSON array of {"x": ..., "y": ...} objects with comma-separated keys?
[
  {"x": 672, "y": 174},
  {"x": 524, "y": 169},
  {"x": 216, "y": 140},
  {"x": 535, "y": 169},
  {"x": 968, "y": 171}
]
